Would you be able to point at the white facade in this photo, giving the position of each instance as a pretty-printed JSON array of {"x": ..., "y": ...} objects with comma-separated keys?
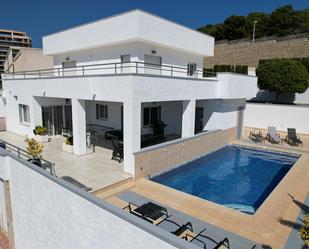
[{"x": 97, "y": 77}]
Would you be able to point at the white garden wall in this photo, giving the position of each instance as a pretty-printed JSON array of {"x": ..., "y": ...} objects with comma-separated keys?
[
  {"x": 280, "y": 116},
  {"x": 49, "y": 213}
]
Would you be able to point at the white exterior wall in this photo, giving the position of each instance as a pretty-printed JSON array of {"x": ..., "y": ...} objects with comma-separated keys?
[
  {"x": 3, "y": 213},
  {"x": 131, "y": 90},
  {"x": 280, "y": 116},
  {"x": 220, "y": 113},
  {"x": 67, "y": 220},
  {"x": 130, "y": 26},
  {"x": 137, "y": 50}
]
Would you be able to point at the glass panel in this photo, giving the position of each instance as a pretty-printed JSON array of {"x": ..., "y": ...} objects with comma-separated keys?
[
  {"x": 106, "y": 111},
  {"x": 154, "y": 115},
  {"x": 20, "y": 107},
  {"x": 146, "y": 116},
  {"x": 47, "y": 119},
  {"x": 58, "y": 120},
  {"x": 98, "y": 111},
  {"x": 68, "y": 117}
]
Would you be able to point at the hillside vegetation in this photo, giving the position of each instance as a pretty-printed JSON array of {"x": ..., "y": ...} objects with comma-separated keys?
[{"x": 282, "y": 21}]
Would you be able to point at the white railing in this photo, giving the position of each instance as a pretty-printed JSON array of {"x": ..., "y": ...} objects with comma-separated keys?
[{"x": 111, "y": 69}]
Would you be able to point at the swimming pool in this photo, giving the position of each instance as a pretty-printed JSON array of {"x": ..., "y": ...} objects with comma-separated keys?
[{"x": 234, "y": 176}]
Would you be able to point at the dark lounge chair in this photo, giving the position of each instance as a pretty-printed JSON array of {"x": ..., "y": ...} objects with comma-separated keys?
[
  {"x": 117, "y": 149},
  {"x": 149, "y": 211},
  {"x": 256, "y": 136},
  {"x": 272, "y": 135},
  {"x": 292, "y": 138},
  {"x": 186, "y": 232}
]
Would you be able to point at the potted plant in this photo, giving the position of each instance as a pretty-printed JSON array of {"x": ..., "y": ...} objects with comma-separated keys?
[
  {"x": 35, "y": 149},
  {"x": 304, "y": 231},
  {"x": 41, "y": 134},
  {"x": 67, "y": 145}
]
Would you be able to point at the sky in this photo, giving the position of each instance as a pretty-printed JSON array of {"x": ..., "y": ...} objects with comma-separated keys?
[{"x": 42, "y": 17}]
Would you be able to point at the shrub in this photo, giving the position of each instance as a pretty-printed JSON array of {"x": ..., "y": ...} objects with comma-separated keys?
[
  {"x": 282, "y": 76},
  {"x": 304, "y": 231},
  {"x": 69, "y": 140},
  {"x": 34, "y": 148},
  {"x": 39, "y": 130},
  {"x": 242, "y": 69}
]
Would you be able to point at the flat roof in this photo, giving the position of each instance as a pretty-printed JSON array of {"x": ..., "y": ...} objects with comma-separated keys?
[{"x": 135, "y": 25}]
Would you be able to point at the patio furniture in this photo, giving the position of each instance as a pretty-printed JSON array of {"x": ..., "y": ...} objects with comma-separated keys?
[
  {"x": 116, "y": 133},
  {"x": 149, "y": 211},
  {"x": 98, "y": 130},
  {"x": 273, "y": 136},
  {"x": 117, "y": 149},
  {"x": 292, "y": 138},
  {"x": 223, "y": 244},
  {"x": 75, "y": 183},
  {"x": 256, "y": 136},
  {"x": 186, "y": 232}
]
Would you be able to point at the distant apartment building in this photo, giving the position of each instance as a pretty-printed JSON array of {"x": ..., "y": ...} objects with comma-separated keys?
[{"x": 9, "y": 38}]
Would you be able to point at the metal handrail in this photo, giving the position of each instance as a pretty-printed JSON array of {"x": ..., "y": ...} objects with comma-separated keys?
[
  {"x": 134, "y": 67},
  {"x": 25, "y": 155}
]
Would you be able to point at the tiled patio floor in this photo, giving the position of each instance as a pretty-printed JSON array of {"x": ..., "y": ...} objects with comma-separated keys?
[{"x": 95, "y": 170}]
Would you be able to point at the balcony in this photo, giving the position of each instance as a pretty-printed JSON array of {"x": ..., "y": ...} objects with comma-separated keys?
[{"x": 109, "y": 69}]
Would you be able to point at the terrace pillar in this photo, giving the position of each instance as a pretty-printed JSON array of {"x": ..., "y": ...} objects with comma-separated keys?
[
  {"x": 79, "y": 127},
  {"x": 188, "y": 118},
  {"x": 131, "y": 133},
  {"x": 36, "y": 119}
]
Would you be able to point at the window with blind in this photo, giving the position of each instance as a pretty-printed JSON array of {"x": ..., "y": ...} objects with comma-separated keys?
[{"x": 101, "y": 111}]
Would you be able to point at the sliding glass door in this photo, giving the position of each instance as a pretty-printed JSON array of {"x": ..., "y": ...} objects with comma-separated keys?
[
  {"x": 56, "y": 118},
  {"x": 47, "y": 120}
]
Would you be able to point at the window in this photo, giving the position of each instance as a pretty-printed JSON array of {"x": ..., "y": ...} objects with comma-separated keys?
[
  {"x": 191, "y": 69},
  {"x": 67, "y": 64},
  {"x": 101, "y": 111},
  {"x": 125, "y": 63},
  {"x": 151, "y": 115},
  {"x": 125, "y": 58},
  {"x": 24, "y": 116}
]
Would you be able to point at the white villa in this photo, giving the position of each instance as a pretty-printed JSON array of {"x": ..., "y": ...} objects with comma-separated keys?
[
  {"x": 131, "y": 92},
  {"x": 126, "y": 73}
]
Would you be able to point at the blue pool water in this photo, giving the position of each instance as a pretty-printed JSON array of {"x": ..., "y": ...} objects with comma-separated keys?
[{"x": 234, "y": 176}]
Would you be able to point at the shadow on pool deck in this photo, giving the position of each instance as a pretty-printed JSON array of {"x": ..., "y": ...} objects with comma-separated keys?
[{"x": 294, "y": 240}]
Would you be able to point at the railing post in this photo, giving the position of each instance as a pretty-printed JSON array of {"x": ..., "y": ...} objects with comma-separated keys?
[
  {"x": 136, "y": 67},
  {"x": 24, "y": 75},
  {"x": 83, "y": 68},
  {"x": 115, "y": 68},
  {"x": 58, "y": 72},
  {"x": 39, "y": 74},
  {"x": 18, "y": 152},
  {"x": 171, "y": 71}
]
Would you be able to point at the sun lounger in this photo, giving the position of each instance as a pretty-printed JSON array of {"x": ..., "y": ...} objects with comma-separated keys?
[
  {"x": 256, "y": 136},
  {"x": 292, "y": 138},
  {"x": 149, "y": 211},
  {"x": 273, "y": 136}
]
